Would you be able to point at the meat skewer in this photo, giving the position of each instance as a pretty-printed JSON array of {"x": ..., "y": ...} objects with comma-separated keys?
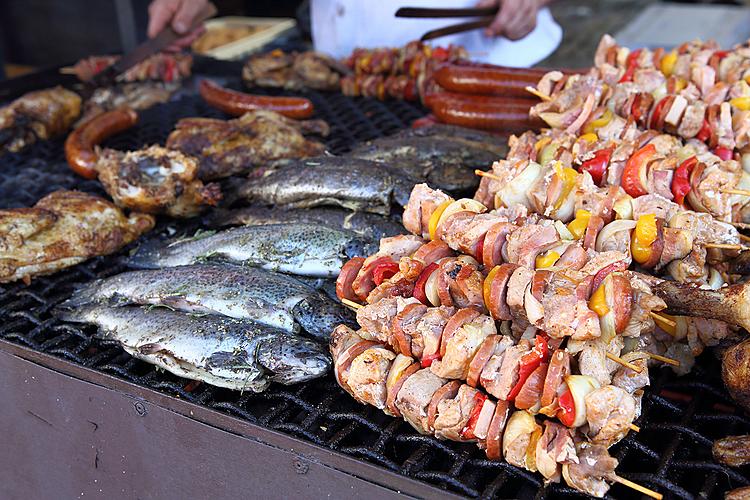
[
  {"x": 162, "y": 66},
  {"x": 375, "y": 375}
]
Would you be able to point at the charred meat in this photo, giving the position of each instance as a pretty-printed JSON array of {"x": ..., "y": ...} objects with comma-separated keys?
[{"x": 293, "y": 71}]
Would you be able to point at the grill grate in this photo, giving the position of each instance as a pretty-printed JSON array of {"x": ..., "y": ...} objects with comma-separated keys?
[{"x": 681, "y": 416}]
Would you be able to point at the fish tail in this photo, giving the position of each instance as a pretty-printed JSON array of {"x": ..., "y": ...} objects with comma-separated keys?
[
  {"x": 147, "y": 255},
  {"x": 82, "y": 296}
]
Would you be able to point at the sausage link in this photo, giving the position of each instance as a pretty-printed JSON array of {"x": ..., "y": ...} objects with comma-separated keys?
[
  {"x": 80, "y": 145},
  {"x": 521, "y": 102},
  {"x": 475, "y": 114},
  {"x": 484, "y": 80},
  {"x": 238, "y": 103}
]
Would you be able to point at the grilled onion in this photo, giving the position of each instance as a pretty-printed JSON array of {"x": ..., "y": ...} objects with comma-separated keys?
[
  {"x": 623, "y": 207},
  {"x": 516, "y": 191},
  {"x": 610, "y": 229},
  {"x": 398, "y": 366},
  {"x": 580, "y": 386}
]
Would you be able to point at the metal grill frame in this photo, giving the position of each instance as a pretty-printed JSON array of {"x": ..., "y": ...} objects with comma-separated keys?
[{"x": 672, "y": 453}]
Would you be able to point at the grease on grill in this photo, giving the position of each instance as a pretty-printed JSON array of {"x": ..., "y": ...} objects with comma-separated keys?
[{"x": 671, "y": 454}]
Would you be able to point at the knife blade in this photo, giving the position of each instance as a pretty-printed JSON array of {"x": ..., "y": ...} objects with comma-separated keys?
[{"x": 164, "y": 39}]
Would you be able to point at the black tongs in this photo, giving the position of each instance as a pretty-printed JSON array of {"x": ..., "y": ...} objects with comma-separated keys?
[{"x": 485, "y": 14}]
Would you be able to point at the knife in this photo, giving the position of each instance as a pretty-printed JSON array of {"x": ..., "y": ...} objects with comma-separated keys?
[{"x": 164, "y": 39}]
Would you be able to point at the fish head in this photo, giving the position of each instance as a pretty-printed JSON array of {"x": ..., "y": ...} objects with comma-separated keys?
[
  {"x": 319, "y": 315},
  {"x": 291, "y": 359}
]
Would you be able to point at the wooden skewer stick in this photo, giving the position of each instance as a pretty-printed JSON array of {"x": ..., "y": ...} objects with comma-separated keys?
[
  {"x": 624, "y": 363},
  {"x": 67, "y": 70},
  {"x": 351, "y": 304},
  {"x": 662, "y": 319},
  {"x": 744, "y": 237},
  {"x": 726, "y": 246},
  {"x": 664, "y": 359},
  {"x": 489, "y": 175},
  {"x": 637, "y": 487},
  {"x": 532, "y": 90},
  {"x": 740, "y": 225},
  {"x": 634, "y": 428},
  {"x": 742, "y": 192}
]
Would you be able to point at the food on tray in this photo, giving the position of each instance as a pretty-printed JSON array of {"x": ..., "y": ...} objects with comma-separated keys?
[
  {"x": 152, "y": 180},
  {"x": 273, "y": 299},
  {"x": 37, "y": 115},
  {"x": 217, "y": 36},
  {"x": 329, "y": 180},
  {"x": 224, "y": 352},
  {"x": 165, "y": 67},
  {"x": 293, "y": 71},
  {"x": 290, "y": 248},
  {"x": 368, "y": 225},
  {"x": 63, "y": 229},
  {"x": 232, "y": 147},
  {"x": 237, "y": 103}
]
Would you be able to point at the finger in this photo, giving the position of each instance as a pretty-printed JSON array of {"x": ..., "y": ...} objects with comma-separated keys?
[
  {"x": 160, "y": 13},
  {"x": 186, "y": 14},
  {"x": 487, "y": 3},
  {"x": 186, "y": 41},
  {"x": 501, "y": 19},
  {"x": 521, "y": 27},
  {"x": 517, "y": 23}
]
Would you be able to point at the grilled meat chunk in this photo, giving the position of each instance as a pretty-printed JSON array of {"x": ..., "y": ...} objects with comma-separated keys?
[
  {"x": 232, "y": 147},
  {"x": 594, "y": 468},
  {"x": 346, "y": 182},
  {"x": 224, "y": 352},
  {"x": 155, "y": 180},
  {"x": 735, "y": 370},
  {"x": 61, "y": 230},
  {"x": 137, "y": 96},
  {"x": 37, "y": 115},
  {"x": 732, "y": 450},
  {"x": 293, "y": 71}
]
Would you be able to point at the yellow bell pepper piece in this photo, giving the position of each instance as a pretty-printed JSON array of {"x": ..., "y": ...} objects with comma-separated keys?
[
  {"x": 548, "y": 260},
  {"x": 568, "y": 177},
  {"x": 603, "y": 120},
  {"x": 598, "y": 302},
  {"x": 435, "y": 218},
  {"x": 590, "y": 137},
  {"x": 541, "y": 143},
  {"x": 577, "y": 226},
  {"x": 487, "y": 285},
  {"x": 668, "y": 62},
  {"x": 742, "y": 103},
  {"x": 680, "y": 84},
  {"x": 643, "y": 237}
]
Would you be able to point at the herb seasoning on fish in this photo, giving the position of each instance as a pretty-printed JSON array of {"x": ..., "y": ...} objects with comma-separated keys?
[{"x": 220, "y": 351}]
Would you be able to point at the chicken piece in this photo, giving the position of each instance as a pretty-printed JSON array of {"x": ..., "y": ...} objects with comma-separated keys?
[
  {"x": 566, "y": 313},
  {"x": 137, "y": 96},
  {"x": 367, "y": 376},
  {"x": 594, "y": 468},
  {"x": 491, "y": 372},
  {"x": 232, "y": 147},
  {"x": 461, "y": 347},
  {"x": 422, "y": 203},
  {"x": 61, "y": 230},
  {"x": 425, "y": 341},
  {"x": 37, "y": 115},
  {"x": 293, "y": 71},
  {"x": 631, "y": 380},
  {"x": 377, "y": 318},
  {"x": 500, "y": 381},
  {"x": 155, "y": 180},
  {"x": 735, "y": 371},
  {"x": 732, "y": 450},
  {"x": 453, "y": 414},
  {"x": 554, "y": 447},
  {"x": 414, "y": 398},
  {"x": 609, "y": 412}
]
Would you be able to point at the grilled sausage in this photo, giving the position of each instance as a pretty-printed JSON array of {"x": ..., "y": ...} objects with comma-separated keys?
[
  {"x": 238, "y": 103},
  {"x": 485, "y": 115},
  {"x": 486, "y": 80}
]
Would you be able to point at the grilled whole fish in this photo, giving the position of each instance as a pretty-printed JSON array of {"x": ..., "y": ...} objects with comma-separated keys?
[
  {"x": 329, "y": 180},
  {"x": 370, "y": 226},
  {"x": 469, "y": 136},
  {"x": 440, "y": 161},
  {"x": 220, "y": 351},
  {"x": 269, "y": 298},
  {"x": 302, "y": 249}
]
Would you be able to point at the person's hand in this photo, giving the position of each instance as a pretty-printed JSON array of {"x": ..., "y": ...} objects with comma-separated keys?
[
  {"x": 515, "y": 19},
  {"x": 180, "y": 14}
]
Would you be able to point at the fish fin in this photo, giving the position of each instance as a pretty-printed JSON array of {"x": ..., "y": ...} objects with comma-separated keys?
[
  {"x": 152, "y": 348},
  {"x": 146, "y": 256}
]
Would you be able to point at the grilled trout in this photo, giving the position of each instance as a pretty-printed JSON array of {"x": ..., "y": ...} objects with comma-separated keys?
[
  {"x": 473, "y": 138},
  {"x": 329, "y": 180},
  {"x": 302, "y": 249},
  {"x": 269, "y": 298},
  {"x": 220, "y": 351}
]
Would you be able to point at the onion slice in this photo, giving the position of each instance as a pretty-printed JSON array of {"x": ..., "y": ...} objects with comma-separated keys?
[{"x": 611, "y": 229}]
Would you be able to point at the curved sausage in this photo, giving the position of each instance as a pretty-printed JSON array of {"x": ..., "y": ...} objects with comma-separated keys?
[
  {"x": 532, "y": 388},
  {"x": 432, "y": 252},
  {"x": 595, "y": 225},
  {"x": 498, "y": 305},
  {"x": 237, "y": 103},
  {"x": 431, "y": 99},
  {"x": 539, "y": 283},
  {"x": 657, "y": 247},
  {"x": 484, "y": 116},
  {"x": 486, "y": 80},
  {"x": 494, "y": 239},
  {"x": 346, "y": 277},
  {"x": 480, "y": 359},
  {"x": 574, "y": 257},
  {"x": 621, "y": 301},
  {"x": 447, "y": 391},
  {"x": 559, "y": 368},
  {"x": 390, "y": 400},
  {"x": 80, "y": 144},
  {"x": 494, "y": 441},
  {"x": 458, "y": 320}
]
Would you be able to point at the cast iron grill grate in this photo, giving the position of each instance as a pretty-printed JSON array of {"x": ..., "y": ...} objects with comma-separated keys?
[{"x": 681, "y": 416}]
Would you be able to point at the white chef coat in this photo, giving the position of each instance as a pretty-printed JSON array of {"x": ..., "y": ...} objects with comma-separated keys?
[{"x": 338, "y": 26}]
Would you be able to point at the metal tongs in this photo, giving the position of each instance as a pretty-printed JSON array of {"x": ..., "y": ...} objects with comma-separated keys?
[{"x": 485, "y": 14}]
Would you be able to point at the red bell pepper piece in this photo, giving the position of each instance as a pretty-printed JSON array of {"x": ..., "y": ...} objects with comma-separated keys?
[
  {"x": 597, "y": 166},
  {"x": 440, "y": 54},
  {"x": 631, "y": 66},
  {"x": 530, "y": 362},
  {"x": 419, "y": 291},
  {"x": 723, "y": 153},
  {"x": 567, "y": 411},
  {"x": 468, "y": 431},
  {"x": 631, "y": 176},
  {"x": 705, "y": 132},
  {"x": 384, "y": 271},
  {"x": 681, "y": 179},
  {"x": 658, "y": 111},
  {"x": 721, "y": 54},
  {"x": 426, "y": 361}
]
